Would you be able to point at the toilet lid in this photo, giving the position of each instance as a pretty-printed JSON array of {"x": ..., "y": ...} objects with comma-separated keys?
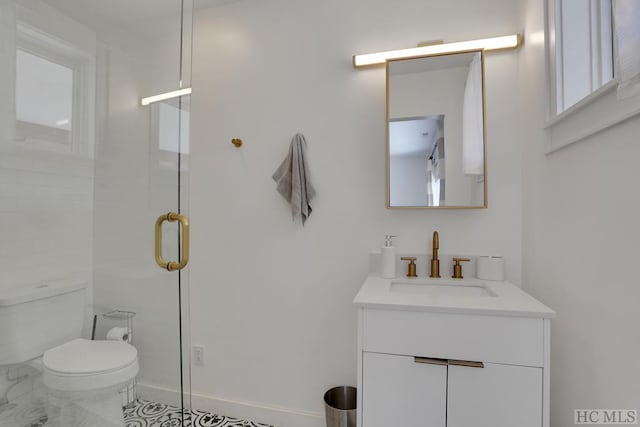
[{"x": 82, "y": 356}]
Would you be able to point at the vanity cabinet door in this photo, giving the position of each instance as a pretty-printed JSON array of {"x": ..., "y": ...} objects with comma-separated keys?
[
  {"x": 496, "y": 396},
  {"x": 401, "y": 391}
]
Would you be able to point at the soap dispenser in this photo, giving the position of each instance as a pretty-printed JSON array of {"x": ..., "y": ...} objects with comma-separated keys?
[{"x": 388, "y": 258}]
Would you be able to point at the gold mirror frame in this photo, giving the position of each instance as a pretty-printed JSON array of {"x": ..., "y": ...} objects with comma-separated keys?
[{"x": 484, "y": 132}]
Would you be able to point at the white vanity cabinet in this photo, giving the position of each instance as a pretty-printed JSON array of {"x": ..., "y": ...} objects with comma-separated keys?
[
  {"x": 401, "y": 392},
  {"x": 438, "y": 369},
  {"x": 495, "y": 395}
]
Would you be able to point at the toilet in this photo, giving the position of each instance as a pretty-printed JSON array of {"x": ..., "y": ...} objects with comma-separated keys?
[{"x": 82, "y": 377}]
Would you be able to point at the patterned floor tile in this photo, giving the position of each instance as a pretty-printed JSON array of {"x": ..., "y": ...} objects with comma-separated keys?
[
  {"x": 141, "y": 414},
  {"x": 153, "y": 414}
]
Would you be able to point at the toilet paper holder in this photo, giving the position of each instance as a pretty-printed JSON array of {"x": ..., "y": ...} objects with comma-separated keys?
[
  {"x": 126, "y": 317},
  {"x": 129, "y": 394}
]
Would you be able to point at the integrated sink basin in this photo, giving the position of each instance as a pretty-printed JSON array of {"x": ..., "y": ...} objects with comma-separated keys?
[{"x": 442, "y": 289}]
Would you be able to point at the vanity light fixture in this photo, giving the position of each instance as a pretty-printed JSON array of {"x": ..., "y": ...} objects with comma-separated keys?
[
  {"x": 166, "y": 95},
  {"x": 494, "y": 43}
]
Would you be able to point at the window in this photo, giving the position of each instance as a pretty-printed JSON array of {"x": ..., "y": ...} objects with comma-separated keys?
[
  {"x": 170, "y": 129},
  {"x": 584, "y": 67},
  {"x": 44, "y": 101},
  {"x": 55, "y": 90},
  {"x": 173, "y": 128},
  {"x": 584, "y": 49}
]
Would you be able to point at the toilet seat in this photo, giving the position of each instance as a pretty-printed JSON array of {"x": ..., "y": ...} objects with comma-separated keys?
[{"x": 81, "y": 365}]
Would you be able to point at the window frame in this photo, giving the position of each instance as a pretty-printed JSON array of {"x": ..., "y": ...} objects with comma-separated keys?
[
  {"x": 48, "y": 47},
  {"x": 595, "y": 113}
]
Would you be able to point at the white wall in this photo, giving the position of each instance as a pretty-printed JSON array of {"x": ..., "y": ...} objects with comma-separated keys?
[
  {"x": 580, "y": 247},
  {"x": 271, "y": 301}
]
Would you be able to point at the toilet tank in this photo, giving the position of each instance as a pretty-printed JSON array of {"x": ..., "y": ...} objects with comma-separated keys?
[{"x": 39, "y": 316}]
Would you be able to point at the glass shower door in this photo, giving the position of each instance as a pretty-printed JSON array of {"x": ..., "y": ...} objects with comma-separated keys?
[
  {"x": 94, "y": 149},
  {"x": 141, "y": 229},
  {"x": 94, "y": 173}
]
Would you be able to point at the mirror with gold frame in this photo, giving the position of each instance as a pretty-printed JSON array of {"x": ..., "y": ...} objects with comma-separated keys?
[{"x": 436, "y": 144}]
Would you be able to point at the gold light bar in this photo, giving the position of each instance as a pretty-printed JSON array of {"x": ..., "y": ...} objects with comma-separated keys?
[
  {"x": 167, "y": 95},
  {"x": 493, "y": 43}
]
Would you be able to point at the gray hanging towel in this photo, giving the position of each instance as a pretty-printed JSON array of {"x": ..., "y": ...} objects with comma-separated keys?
[{"x": 292, "y": 178}]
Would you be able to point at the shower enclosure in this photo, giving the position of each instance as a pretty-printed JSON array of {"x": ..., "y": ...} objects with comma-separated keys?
[{"x": 94, "y": 170}]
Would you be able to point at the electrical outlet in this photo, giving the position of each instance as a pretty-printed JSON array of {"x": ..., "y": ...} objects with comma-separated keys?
[{"x": 198, "y": 355}]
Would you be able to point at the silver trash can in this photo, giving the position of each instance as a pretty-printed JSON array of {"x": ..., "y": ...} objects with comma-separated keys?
[{"x": 340, "y": 406}]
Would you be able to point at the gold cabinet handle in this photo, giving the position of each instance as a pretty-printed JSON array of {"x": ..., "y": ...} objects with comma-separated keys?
[
  {"x": 467, "y": 363},
  {"x": 184, "y": 223},
  {"x": 430, "y": 361}
]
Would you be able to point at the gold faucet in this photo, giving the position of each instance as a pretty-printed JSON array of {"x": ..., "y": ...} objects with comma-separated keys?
[{"x": 435, "y": 262}]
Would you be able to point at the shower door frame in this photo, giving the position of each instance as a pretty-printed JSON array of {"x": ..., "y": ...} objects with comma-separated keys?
[
  {"x": 179, "y": 216},
  {"x": 184, "y": 319}
]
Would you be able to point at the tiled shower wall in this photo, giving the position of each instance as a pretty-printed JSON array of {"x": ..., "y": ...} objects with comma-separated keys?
[
  {"x": 46, "y": 198},
  {"x": 46, "y": 203}
]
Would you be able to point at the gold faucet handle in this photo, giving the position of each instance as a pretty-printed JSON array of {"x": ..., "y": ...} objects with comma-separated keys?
[
  {"x": 411, "y": 272},
  {"x": 457, "y": 267}
]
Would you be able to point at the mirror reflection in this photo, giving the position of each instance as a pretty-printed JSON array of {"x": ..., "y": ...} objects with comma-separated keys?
[{"x": 436, "y": 144}]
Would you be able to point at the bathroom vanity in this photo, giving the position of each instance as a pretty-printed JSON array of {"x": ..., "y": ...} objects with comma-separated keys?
[{"x": 454, "y": 353}]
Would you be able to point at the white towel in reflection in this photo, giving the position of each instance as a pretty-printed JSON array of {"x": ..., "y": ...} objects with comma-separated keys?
[
  {"x": 472, "y": 121},
  {"x": 430, "y": 182},
  {"x": 292, "y": 178}
]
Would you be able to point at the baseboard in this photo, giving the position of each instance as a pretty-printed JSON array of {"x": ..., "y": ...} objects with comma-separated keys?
[{"x": 250, "y": 411}]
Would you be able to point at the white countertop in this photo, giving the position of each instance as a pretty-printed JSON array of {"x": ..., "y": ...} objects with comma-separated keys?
[{"x": 509, "y": 300}]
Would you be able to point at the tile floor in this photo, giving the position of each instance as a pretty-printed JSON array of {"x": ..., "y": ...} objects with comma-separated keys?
[
  {"x": 22, "y": 413},
  {"x": 153, "y": 414},
  {"x": 141, "y": 414},
  {"x": 26, "y": 408}
]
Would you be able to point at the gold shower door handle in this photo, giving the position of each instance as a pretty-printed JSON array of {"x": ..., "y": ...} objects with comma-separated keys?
[{"x": 184, "y": 259}]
